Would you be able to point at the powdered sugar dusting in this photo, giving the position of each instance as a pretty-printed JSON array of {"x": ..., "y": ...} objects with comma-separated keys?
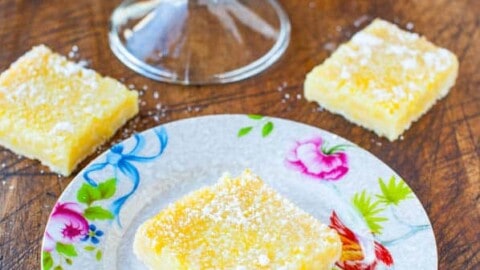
[
  {"x": 241, "y": 218},
  {"x": 344, "y": 74},
  {"x": 382, "y": 94},
  {"x": 365, "y": 39},
  {"x": 409, "y": 63},
  {"x": 52, "y": 98},
  {"x": 385, "y": 64},
  {"x": 63, "y": 127},
  {"x": 263, "y": 260},
  {"x": 439, "y": 59}
]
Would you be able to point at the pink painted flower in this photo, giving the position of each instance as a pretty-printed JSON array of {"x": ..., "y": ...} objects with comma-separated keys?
[
  {"x": 67, "y": 225},
  {"x": 312, "y": 158}
]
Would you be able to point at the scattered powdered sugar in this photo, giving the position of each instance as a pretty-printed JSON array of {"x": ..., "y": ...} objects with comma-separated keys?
[
  {"x": 349, "y": 51},
  {"x": 362, "y": 19},
  {"x": 282, "y": 86},
  {"x": 410, "y": 26},
  {"x": 318, "y": 109},
  {"x": 440, "y": 59},
  {"x": 409, "y": 63},
  {"x": 413, "y": 86},
  {"x": 399, "y": 50},
  {"x": 330, "y": 46},
  {"x": 344, "y": 74},
  {"x": 75, "y": 55},
  {"x": 65, "y": 68},
  {"x": 365, "y": 39},
  {"x": 406, "y": 36},
  {"x": 382, "y": 94},
  {"x": 366, "y": 51},
  {"x": 84, "y": 63},
  {"x": 263, "y": 260},
  {"x": 62, "y": 127},
  {"x": 73, "y": 52},
  {"x": 398, "y": 92}
]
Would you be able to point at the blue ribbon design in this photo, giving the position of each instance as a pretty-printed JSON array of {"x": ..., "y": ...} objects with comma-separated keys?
[{"x": 122, "y": 163}]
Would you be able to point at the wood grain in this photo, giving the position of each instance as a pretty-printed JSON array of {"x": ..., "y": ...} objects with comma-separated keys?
[{"x": 439, "y": 156}]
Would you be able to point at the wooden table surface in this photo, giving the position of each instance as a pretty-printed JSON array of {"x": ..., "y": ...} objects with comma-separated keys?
[{"x": 439, "y": 156}]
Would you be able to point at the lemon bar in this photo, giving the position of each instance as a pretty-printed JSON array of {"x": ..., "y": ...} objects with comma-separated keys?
[
  {"x": 383, "y": 79},
  {"x": 239, "y": 224},
  {"x": 57, "y": 111}
]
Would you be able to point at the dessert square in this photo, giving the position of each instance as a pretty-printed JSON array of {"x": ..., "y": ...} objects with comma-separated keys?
[
  {"x": 383, "y": 79},
  {"x": 58, "y": 112},
  {"x": 239, "y": 223}
]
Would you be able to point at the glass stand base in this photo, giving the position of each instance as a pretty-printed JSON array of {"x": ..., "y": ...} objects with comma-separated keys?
[{"x": 199, "y": 41}]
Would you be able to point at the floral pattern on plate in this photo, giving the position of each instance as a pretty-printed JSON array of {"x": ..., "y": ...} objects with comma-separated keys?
[
  {"x": 75, "y": 226},
  {"x": 313, "y": 158},
  {"x": 93, "y": 223}
]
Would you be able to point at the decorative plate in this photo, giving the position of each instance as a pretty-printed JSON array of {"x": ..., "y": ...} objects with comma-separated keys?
[{"x": 381, "y": 222}]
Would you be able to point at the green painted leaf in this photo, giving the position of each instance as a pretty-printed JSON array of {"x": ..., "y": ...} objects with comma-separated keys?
[
  {"x": 267, "y": 129},
  {"x": 97, "y": 213},
  {"x": 68, "y": 261},
  {"x": 88, "y": 194},
  {"x": 98, "y": 256},
  {"x": 66, "y": 249},
  {"x": 47, "y": 261},
  {"x": 58, "y": 267},
  {"x": 369, "y": 209},
  {"x": 334, "y": 149},
  {"x": 244, "y": 131},
  {"x": 394, "y": 192},
  {"x": 255, "y": 116},
  {"x": 107, "y": 189},
  {"x": 89, "y": 248}
]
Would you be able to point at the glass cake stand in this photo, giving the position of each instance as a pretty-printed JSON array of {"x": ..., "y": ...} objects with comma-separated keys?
[{"x": 199, "y": 41}]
